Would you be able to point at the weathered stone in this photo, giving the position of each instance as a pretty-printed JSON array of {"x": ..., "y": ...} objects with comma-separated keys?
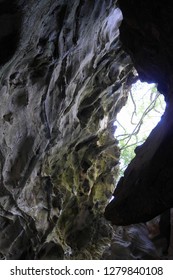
[
  {"x": 149, "y": 176},
  {"x": 131, "y": 243},
  {"x": 62, "y": 83},
  {"x": 63, "y": 78}
]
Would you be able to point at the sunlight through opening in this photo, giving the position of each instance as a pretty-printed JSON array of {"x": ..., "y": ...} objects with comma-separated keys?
[{"x": 142, "y": 112}]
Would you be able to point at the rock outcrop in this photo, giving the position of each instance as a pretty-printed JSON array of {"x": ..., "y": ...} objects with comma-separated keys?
[
  {"x": 63, "y": 78},
  {"x": 146, "y": 33},
  {"x": 146, "y": 188}
]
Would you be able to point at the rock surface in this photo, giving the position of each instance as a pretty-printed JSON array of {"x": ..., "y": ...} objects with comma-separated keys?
[
  {"x": 131, "y": 243},
  {"x": 146, "y": 188},
  {"x": 62, "y": 82},
  {"x": 63, "y": 78}
]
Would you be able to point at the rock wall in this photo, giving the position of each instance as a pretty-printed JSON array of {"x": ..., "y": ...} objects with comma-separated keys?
[
  {"x": 146, "y": 191},
  {"x": 64, "y": 75},
  {"x": 63, "y": 78}
]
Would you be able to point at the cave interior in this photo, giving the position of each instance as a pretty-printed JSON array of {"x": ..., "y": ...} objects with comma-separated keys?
[{"x": 66, "y": 68}]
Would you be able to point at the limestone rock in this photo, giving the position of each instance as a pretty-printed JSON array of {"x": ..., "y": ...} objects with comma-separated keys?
[
  {"x": 145, "y": 190},
  {"x": 131, "y": 243},
  {"x": 63, "y": 78}
]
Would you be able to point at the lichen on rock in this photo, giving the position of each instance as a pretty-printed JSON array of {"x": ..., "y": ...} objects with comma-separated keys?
[{"x": 60, "y": 92}]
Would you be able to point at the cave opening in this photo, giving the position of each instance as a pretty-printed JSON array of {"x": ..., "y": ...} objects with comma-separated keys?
[
  {"x": 142, "y": 112},
  {"x": 66, "y": 68}
]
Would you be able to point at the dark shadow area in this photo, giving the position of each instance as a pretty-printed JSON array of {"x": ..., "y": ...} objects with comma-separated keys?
[{"x": 10, "y": 26}]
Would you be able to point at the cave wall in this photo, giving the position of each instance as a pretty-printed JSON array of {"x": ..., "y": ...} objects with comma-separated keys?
[
  {"x": 63, "y": 78},
  {"x": 145, "y": 190},
  {"x": 146, "y": 34},
  {"x": 64, "y": 75}
]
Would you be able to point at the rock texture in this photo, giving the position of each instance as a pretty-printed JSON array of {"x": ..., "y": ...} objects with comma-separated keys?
[
  {"x": 146, "y": 33},
  {"x": 132, "y": 243},
  {"x": 146, "y": 188},
  {"x": 63, "y": 78}
]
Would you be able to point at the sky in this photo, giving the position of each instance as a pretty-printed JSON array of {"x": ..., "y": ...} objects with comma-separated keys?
[{"x": 142, "y": 100}]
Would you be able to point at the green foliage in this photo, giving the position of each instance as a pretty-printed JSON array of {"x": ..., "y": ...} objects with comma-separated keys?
[{"x": 136, "y": 120}]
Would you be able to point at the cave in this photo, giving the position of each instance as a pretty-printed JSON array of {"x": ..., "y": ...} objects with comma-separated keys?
[{"x": 66, "y": 68}]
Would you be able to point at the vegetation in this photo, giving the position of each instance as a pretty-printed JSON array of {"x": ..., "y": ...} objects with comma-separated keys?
[{"x": 134, "y": 123}]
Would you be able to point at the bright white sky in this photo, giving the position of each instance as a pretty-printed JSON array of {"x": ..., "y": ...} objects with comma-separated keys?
[{"x": 142, "y": 96}]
